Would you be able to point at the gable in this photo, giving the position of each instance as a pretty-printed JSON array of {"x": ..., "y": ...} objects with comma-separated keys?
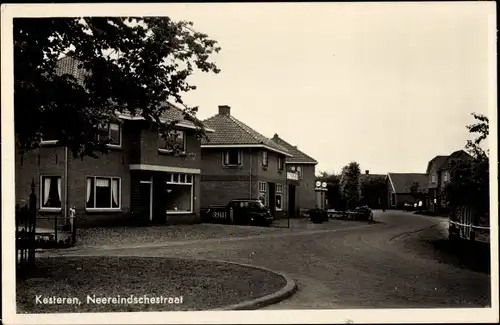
[
  {"x": 402, "y": 182},
  {"x": 298, "y": 157}
]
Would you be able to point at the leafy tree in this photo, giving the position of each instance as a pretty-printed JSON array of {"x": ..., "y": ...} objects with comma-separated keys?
[
  {"x": 350, "y": 184},
  {"x": 417, "y": 192},
  {"x": 131, "y": 64},
  {"x": 469, "y": 183},
  {"x": 373, "y": 190}
]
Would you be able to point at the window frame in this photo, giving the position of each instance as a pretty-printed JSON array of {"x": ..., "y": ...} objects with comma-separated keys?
[
  {"x": 50, "y": 209},
  {"x": 184, "y": 142},
  {"x": 298, "y": 170},
  {"x": 225, "y": 154},
  {"x": 108, "y": 127},
  {"x": 265, "y": 158},
  {"x": 279, "y": 193},
  {"x": 176, "y": 180},
  {"x": 263, "y": 191},
  {"x": 281, "y": 163},
  {"x": 111, "y": 208}
]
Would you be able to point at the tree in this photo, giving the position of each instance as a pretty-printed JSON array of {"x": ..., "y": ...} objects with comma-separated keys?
[
  {"x": 469, "y": 183},
  {"x": 373, "y": 190},
  {"x": 350, "y": 184},
  {"x": 132, "y": 64}
]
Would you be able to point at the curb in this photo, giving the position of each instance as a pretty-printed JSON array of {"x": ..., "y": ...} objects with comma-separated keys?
[{"x": 287, "y": 291}]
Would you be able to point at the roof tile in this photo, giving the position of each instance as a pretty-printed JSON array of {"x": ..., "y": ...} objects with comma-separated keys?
[{"x": 298, "y": 156}]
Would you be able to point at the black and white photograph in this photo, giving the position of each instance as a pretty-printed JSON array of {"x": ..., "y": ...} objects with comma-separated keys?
[{"x": 309, "y": 162}]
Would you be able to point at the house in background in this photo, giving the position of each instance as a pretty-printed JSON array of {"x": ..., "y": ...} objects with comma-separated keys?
[
  {"x": 373, "y": 190},
  {"x": 399, "y": 187},
  {"x": 240, "y": 163},
  {"x": 139, "y": 180},
  {"x": 439, "y": 174},
  {"x": 305, "y": 167}
]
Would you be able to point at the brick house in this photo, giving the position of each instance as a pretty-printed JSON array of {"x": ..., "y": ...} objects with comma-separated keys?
[
  {"x": 139, "y": 180},
  {"x": 439, "y": 174},
  {"x": 305, "y": 167},
  {"x": 240, "y": 163},
  {"x": 399, "y": 188}
]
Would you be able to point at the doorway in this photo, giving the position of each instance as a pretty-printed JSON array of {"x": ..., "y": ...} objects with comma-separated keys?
[
  {"x": 146, "y": 190},
  {"x": 291, "y": 201},
  {"x": 272, "y": 198}
]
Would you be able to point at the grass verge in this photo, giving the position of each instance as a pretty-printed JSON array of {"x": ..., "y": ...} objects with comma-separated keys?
[{"x": 201, "y": 284}]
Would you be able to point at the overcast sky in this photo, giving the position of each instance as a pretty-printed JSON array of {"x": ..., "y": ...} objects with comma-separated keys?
[{"x": 387, "y": 85}]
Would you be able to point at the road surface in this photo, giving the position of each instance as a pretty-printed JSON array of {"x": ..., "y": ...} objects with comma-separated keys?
[{"x": 354, "y": 265}]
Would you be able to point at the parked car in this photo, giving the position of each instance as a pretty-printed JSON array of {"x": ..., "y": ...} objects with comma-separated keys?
[
  {"x": 363, "y": 213},
  {"x": 250, "y": 211}
]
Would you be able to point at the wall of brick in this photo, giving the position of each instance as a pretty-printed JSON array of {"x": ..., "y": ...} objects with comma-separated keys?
[
  {"x": 220, "y": 192},
  {"x": 46, "y": 161},
  {"x": 150, "y": 142},
  {"x": 211, "y": 163},
  {"x": 306, "y": 189}
]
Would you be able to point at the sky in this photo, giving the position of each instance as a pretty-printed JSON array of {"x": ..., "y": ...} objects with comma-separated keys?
[{"x": 387, "y": 85}]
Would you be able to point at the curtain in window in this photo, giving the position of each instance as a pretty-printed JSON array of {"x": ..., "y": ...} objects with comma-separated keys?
[
  {"x": 59, "y": 188},
  {"x": 239, "y": 157},
  {"x": 89, "y": 189},
  {"x": 114, "y": 191},
  {"x": 46, "y": 189},
  {"x": 226, "y": 157}
]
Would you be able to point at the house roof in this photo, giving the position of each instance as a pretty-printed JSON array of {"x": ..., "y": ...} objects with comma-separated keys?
[
  {"x": 231, "y": 132},
  {"x": 459, "y": 154},
  {"x": 402, "y": 182},
  {"x": 298, "y": 156},
  {"x": 69, "y": 65},
  {"x": 438, "y": 161}
]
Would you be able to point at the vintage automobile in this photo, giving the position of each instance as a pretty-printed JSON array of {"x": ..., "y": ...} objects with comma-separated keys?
[{"x": 242, "y": 212}]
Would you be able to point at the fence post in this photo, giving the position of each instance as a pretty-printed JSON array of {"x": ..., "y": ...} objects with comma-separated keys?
[{"x": 31, "y": 224}]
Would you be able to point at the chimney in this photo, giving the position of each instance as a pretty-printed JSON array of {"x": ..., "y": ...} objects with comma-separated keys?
[
  {"x": 276, "y": 136},
  {"x": 224, "y": 110},
  {"x": 367, "y": 172}
]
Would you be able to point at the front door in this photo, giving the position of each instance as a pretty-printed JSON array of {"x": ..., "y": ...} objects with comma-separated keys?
[
  {"x": 146, "y": 201},
  {"x": 291, "y": 201},
  {"x": 272, "y": 198}
]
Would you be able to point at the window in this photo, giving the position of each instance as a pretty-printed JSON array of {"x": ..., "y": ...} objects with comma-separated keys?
[
  {"x": 445, "y": 176},
  {"x": 111, "y": 132},
  {"x": 293, "y": 168},
  {"x": 281, "y": 163},
  {"x": 179, "y": 193},
  {"x": 279, "y": 197},
  {"x": 103, "y": 192},
  {"x": 299, "y": 171},
  {"x": 393, "y": 199},
  {"x": 433, "y": 178},
  {"x": 264, "y": 158},
  {"x": 175, "y": 141},
  {"x": 231, "y": 157},
  {"x": 263, "y": 192},
  {"x": 50, "y": 196}
]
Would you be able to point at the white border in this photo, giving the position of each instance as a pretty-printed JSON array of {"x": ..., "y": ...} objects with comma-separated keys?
[{"x": 376, "y": 316}]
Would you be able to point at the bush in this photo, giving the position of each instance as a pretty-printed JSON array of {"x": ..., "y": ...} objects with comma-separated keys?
[{"x": 318, "y": 215}]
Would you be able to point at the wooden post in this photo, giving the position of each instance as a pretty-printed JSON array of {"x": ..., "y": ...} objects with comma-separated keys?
[{"x": 31, "y": 225}]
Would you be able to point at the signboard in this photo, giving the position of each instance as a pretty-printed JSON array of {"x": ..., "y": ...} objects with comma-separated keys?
[{"x": 292, "y": 176}]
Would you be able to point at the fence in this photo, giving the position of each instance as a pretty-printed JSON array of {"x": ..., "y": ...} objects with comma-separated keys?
[
  {"x": 25, "y": 233},
  {"x": 465, "y": 224},
  {"x": 33, "y": 231}
]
